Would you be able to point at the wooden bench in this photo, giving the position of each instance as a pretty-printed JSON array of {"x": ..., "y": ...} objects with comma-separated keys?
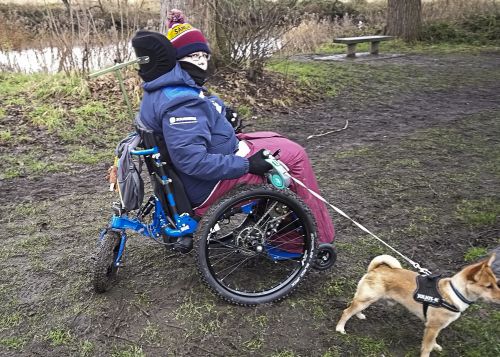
[{"x": 351, "y": 43}]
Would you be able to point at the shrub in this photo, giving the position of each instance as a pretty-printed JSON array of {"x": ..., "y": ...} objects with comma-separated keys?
[{"x": 479, "y": 29}]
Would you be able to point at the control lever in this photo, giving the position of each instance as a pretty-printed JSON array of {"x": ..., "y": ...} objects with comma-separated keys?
[{"x": 278, "y": 176}]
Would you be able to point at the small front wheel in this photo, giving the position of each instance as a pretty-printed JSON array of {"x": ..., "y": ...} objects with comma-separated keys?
[
  {"x": 105, "y": 269},
  {"x": 325, "y": 257}
]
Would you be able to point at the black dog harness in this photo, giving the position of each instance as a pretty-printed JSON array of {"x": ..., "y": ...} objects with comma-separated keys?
[{"x": 427, "y": 293}]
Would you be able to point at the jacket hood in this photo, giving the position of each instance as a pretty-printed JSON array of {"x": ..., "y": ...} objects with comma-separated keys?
[{"x": 176, "y": 77}]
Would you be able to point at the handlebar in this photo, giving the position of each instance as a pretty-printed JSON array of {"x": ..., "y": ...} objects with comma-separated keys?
[
  {"x": 116, "y": 69},
  {"x": 118, "y": 66}
]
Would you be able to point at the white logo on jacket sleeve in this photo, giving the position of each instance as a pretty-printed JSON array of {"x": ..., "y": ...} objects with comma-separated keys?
[
  {"x": 182, "y": 120},
  {"x": 217, "y": 106}
]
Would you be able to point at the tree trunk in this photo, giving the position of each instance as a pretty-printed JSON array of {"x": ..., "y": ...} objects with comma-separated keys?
[
  {"x": 404, "y": 19},
  {"x": 66, "y": 4}
]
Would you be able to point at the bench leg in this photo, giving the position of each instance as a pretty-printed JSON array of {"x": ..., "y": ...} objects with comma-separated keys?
[
  {"x": 351, "y": 50},
  {"x": 374, "y": 50}
]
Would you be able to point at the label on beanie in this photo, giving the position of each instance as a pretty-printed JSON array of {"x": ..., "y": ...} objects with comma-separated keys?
[{"x": 177, "y": 30}]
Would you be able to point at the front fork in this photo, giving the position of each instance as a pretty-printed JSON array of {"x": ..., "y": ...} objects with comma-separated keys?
[{"x": 123, "y": 240}]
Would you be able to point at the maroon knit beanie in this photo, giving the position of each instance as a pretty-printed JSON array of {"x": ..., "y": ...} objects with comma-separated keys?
[{"x": 185, "y": 38}]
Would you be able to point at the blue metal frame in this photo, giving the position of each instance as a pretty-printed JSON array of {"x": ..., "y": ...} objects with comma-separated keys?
[{"x": 184, "y": 223}]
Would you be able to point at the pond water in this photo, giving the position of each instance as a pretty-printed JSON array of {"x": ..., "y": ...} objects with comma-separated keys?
[
  {"x": 84, "y": 59},
  {"x": 52, "y": 59}
]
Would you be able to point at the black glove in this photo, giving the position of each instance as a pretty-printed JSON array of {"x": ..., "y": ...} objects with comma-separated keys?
[
  {"x": 233, "y": 119},
  {"x": 257, "y": 164}
]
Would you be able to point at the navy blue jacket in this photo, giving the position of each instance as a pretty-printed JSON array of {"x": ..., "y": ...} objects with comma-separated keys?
[{"x": 199, "y": 139}]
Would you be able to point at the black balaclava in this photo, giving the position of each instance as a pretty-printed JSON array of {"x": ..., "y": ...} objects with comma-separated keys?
[
  {"x": 199, "y": 76},
  {"x": 161, "y": 53}
]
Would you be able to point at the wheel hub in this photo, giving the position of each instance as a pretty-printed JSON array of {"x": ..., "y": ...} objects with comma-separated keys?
[{"x": 251, "y": 239}]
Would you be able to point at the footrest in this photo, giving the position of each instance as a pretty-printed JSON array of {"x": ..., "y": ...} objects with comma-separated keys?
[{"x": 278, "y": 254}]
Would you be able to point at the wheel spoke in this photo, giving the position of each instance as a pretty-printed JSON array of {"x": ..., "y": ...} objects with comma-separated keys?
[{"x": 256, "y": 254}]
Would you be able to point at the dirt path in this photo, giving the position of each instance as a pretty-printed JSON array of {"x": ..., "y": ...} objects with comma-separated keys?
[{"x": 418, "y": 164}]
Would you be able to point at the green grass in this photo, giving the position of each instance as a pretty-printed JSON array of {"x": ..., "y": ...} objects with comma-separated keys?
[
  {"x": 475, "y": 253},
  {"x": 286, "y": 353},
  {"x": 202, "y": 316},
  {"x": 479, "y": 213},
  {"x": 469, "y": 327},
  {"x": 317, "y": 77},
  {"x": 151, "y": 333},
  {"x": 48, "y": 116},
  {"x": 365, "y": 346},
  {"x": 131, "y": 351},
  {"x": 59, "y": 337},
  {"x": 84, "y": 155},
  {"x": 5, "y": 135},
  {"x": 71, "y": 126},
  {"x": 61, "y": 86},
  {"x": 33, "y": 163},
  {"x": 86, "y": 348},
  {"x": 322, "y": 78},
  {"x": 14, "y": 343},
  {"x": 9, "y": 321},
  {"x": 253, "y": 344},
  {"x": 12, "y": 84}
]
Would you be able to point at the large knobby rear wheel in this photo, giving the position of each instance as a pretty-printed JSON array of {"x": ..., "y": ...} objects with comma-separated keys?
[
  {"x": 255, "y": 244},
  {"x": 105, "y": 270}
]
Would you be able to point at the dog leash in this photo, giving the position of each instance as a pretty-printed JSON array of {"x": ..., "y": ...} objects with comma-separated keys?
[{"x": 415, "y": 265}]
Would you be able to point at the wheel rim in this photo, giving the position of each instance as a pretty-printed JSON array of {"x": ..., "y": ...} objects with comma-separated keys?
[
  {"x": 324, "y": 258},
  {"x": 258, "y": 245}
]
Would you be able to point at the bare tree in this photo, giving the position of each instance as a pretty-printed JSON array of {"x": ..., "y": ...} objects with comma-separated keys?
[
  {"x": 66, "y": 4},
  {"x": 246, "y": 32},
  {"x": 242, "y": 33},
  {"x": 404, "y": 19}
]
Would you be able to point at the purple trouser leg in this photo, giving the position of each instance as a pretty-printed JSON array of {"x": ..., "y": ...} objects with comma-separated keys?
[{"x": 295, "y": 157}]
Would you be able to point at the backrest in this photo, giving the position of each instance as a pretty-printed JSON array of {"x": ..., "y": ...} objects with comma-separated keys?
[{"x": 150, "y": 140}]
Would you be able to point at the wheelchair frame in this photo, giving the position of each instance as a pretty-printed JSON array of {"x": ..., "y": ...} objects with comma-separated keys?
[{"x": 173, "y": 218}]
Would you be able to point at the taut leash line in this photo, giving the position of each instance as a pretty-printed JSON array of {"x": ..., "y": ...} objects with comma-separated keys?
[{"x": 417, "y": 266}]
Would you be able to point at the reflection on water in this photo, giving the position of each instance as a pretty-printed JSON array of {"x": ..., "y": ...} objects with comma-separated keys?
[
  {"x": 52, "y": 59},
  {"x": 85, "y": 59}
]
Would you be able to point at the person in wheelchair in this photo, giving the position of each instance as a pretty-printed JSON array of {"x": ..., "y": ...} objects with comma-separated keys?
[{"x": 208, "y": 155}]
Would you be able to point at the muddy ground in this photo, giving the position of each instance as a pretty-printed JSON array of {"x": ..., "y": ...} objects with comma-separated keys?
[{"x": 418, "y": 164}]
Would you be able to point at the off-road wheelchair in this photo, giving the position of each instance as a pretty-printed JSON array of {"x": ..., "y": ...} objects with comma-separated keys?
[{"x": 252, "y": 246}]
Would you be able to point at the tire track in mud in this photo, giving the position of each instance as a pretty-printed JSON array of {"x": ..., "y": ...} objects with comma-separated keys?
[{"x": 50, "y": 187}]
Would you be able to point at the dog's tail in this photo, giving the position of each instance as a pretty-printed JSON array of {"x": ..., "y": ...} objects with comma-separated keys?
[{"x": 384, "y": 259}]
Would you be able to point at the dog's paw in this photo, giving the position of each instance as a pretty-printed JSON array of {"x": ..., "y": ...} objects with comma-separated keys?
[
  {"x": 340, "y": 329},
  {"x": 361, "y": 316},
  {"x": 437, "y": 347}
]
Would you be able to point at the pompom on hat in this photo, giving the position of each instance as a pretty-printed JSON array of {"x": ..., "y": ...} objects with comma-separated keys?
[{"x": 184, "y": 37}]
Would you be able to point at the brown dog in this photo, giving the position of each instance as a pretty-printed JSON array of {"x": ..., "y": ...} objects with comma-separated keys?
[{"x": 385, "y": 279}]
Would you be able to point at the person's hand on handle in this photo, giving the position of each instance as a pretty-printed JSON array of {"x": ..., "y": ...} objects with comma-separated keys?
[{"x": 257, "y": 164}]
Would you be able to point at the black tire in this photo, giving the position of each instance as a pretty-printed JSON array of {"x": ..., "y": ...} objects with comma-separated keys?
[
  {"x": 326, "y": 256},
  {"x": 269, "y": 248},
  {"x": 105, "y": 272}
]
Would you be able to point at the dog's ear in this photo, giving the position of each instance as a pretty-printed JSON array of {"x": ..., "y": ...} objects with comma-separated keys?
[
  {"x": 491, "y": 259},
  {"x": 474, "y": 271}
]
